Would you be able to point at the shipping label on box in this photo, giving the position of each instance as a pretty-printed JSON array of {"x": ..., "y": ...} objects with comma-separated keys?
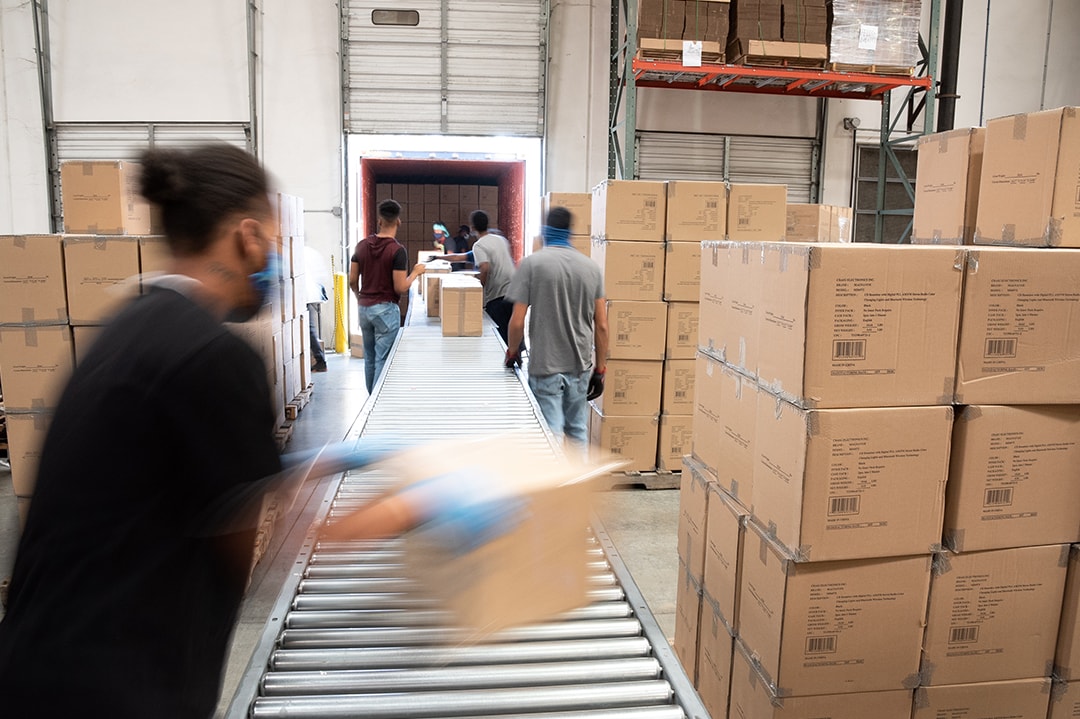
[
  {"x": 580, "y": 206},
  {"x": 696, "y": 211},
  {"x": 1015, "y": 698},
  {"x": 26, "y": 433},
  {"x": 687, "y": 621},
  {"x": 752, "y": 698},
  {"x": 103, "y": 198},
  {"x": 682, "y": 330},
  {"x": 632, "y": 210},
  {"x": 1067, "y": 656},
  {"x": 757, "y": 213},
  {"x": 632, "y": 270},
  {"x": 715, "y": 647},
  {"x": 32, "y": 289},
  {"x": 678, "y": 394},
  {"x": 693, "y": 514},
  {"x": 631, "y": 438},
  {"x": 35, "y": 364},
  {"x": 1029, "y": 182},
  {"x": 859, "y": 325},
  {"x": 994, "y": 615},
  {"x": 1012, "y": 477},
  {"x": 637, "y": 330},
  {"x": 461, "y": 306},
  {"x": 101, "y": 275},
  {"x": 947, "y": 187},
  {"x": 1020, "y": 343},
  {"x": 682, "y": 272},
  {"x": 724, "y": 532},
  {"x": 851, "y": 483},
  {"x": 676, "y": 436},
  {"x": 632, "y": 388},
  {"x": 819, "y": 627}
]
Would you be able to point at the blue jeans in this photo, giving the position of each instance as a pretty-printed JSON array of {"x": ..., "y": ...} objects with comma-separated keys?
[
  {"x": 379, "y": 325},
  {"x": 562, "y": 401}
]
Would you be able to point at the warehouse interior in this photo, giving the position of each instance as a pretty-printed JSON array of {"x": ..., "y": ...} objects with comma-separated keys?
[{"x": 803, "y": 524}]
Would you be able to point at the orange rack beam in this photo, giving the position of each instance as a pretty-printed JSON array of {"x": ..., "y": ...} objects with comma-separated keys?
[{"x": 797, "y": 82}]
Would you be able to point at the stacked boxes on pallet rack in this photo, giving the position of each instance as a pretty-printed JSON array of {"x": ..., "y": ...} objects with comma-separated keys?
[
  {"x": 875, "y": 35},
  {"x": 778, "y": 33},
  {"x": 665, "y": 25}
]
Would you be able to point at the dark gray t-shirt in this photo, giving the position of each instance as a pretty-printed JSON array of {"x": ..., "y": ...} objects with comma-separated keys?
[
  {"x": 561, "y": 287},
  {"x": 494, "y": 250}
]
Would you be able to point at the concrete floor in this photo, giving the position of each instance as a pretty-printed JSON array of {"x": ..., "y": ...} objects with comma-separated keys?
[{"x": 642, "y": 523}]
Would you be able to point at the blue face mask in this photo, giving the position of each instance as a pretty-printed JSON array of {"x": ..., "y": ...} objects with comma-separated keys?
[{"x": 264, "y": 283}]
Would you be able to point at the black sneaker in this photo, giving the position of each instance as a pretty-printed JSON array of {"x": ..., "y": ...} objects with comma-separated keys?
[{"x": 319, "y": 367}]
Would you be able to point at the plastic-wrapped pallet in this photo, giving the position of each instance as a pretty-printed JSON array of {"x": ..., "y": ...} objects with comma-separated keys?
[{"x": 879, "y": 33}]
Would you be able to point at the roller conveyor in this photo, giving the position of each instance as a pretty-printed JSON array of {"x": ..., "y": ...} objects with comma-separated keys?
[{"x": 349, "y": 637}]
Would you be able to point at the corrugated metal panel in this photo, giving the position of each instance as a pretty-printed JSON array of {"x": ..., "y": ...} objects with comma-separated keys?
[
  {"x": 110, "y": 141},
  {"x": 774, "y": 160},
  {"x": 680, "y": 156},
  {"x": 494, "y": 69}
]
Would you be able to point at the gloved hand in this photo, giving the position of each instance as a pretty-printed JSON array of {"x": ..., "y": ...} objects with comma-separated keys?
[
  {"x": 513, "y": 359},
  {"x": 596, "y": 385}
]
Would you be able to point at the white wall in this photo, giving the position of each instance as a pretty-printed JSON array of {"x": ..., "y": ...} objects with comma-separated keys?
[{"x": 24, "y": 190}]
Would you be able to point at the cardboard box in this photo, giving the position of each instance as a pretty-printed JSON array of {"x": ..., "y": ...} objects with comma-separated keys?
[
  {"x": 430, "y": 283},
  {"x": 1012, "y": 477},
  {"x": 757, "y": 19},
  {"x": 450, "y": 215},
  {"x": 636, "y": 330},
  {"x": 83, "y": 338},
  {"x": 757, "y": 213},
  {"x": 859, "y": 325},
  {"x": 808, "y": 223},
  {"x": 1067, "y": 655},
  {"x": 32, "y": 289},
  {"x": 101, "y": 276},
  {"x": 682, "y": 272},
  {"x": 35, "y": 364},
  {"x": 947, "y": 187},
  {"x": 461, "y": 306},
  {"x": 581, "y": 243},
  {"x": 724, "y": 533},
  {"x": 682, "y": 330},
  {"x": 488, "y": 195},
  {"x": 580, "y": 206},
  {"x": 696, "y": 211},
  {"x": 1065, "y": 701},
  {"x": 676, "y": 435},
  {"x": 448, "y": 194},
  {"x": 23, "y": 504},
  {"x": 752, "y": 698},
  {"x": 1021, "y": 698},
  {"x": 631, "y": 388},
  {"x": 433, "y": 214},
  {"x": 632, "y": 270},
  {"x": 994, "y": 615},
  {"x": 102, "y": 198},
  {"x": 384, "y": 191},
  {"x": 631, "y": 438},
  {"x": 1029, "y": 188},
  {"x": 1019, "y": 341},
  {"x": 687, "y": 621},
  {"x": 297, "y": 254},
  {"x": 725, "y": 417},
  {"x": 715, "y": 647},
  {"x": 629, "y": 210},
  {"x": 414, "y": 194},
  {"x": 154, "y": 257},
  {"x": 431, "y": 194},
  {"x": 693, "y": 515},
  {"x": 731, "y": 289},
  {"x": 534, "y": 568},
  {"x": 26, "y": 433},
  {"x": 678, "y": 393},
  {"x": 468, "y": 197},
  {"x": 851, "y": 483},
  {"x": 832, "y": 627}
]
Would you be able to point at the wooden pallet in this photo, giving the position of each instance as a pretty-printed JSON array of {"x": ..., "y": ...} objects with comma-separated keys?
[
  {"x": 283, "y": 434},
  {"x": 658, "y": 479},
  {"x": 671, "y": 51},
  {"x": 294, "y": 408},
  {"x": 804, "y": 63},
  {"x": 779, "y": 53},
  {"x": 872, "y": 69}
]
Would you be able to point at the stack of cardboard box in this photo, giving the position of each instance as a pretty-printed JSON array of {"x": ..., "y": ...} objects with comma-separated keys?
[
  {"x": 628, "y": 243},
  {"x": 663, "y": 26},
  {"x": 778, "y": 32},
  {"x": 580, "y": 206},
  {"x": 423, "y": 205},
  {"x": 875, "y": 35}
]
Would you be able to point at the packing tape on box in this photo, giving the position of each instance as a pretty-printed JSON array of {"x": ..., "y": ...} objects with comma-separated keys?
[
  {"x": 940, "y": 564},
  {"x": 1063, "y": 560},
  {"x": 1019, "y": 128}
]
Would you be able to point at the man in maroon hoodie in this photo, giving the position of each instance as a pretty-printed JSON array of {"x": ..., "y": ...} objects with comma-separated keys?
[{"x": 378, "y": 275}]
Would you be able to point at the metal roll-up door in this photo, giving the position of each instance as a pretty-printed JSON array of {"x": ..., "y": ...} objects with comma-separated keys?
[
  {"x": 680, "y": 156},
  {"x": 126, "y": 141},
  {"x": 774, "y": 160},
  {"x": 463, "y": 68}
]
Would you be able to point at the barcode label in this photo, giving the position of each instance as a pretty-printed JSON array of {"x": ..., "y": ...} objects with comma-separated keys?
[
  {"x": 963, "y": 635},
  {"x": 1005, "y": 347},
  {"x": 650, "y": 203},
  {"x": 1001, "y": 497},
  {"x": 680, "y": 395},
  {"x": 712, "y": 204},
  {"x": 744, "y": 221},
  {"x": 648, "y": 264},
  {"x": 615, "y": 450},
  {"x": 684, "y": 338},
  {"x": 623, "y": 338},
  {"x": 843, "y": 505},
  {"x": 821, "y": 645},
  {"x": 620, "y": 395},
  {"x": 849, "y": 349}
]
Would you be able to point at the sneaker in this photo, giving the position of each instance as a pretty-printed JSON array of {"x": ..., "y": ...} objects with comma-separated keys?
[{"x": 319, "y": 367}]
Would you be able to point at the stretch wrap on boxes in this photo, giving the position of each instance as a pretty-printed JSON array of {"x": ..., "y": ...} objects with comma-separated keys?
[{"x": 875, "y": 32}]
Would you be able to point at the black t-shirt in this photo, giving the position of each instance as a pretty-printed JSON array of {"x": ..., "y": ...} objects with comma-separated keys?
[{"x": 123, "y": 598}]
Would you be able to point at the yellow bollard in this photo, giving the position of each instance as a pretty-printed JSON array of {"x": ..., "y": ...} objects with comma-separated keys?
[{"x": 341, "y": 295}]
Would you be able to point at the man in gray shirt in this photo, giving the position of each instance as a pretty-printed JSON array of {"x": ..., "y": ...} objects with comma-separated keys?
[
  {"x": 491, "y": 256},
  {"x": 563, "y": 290}
]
